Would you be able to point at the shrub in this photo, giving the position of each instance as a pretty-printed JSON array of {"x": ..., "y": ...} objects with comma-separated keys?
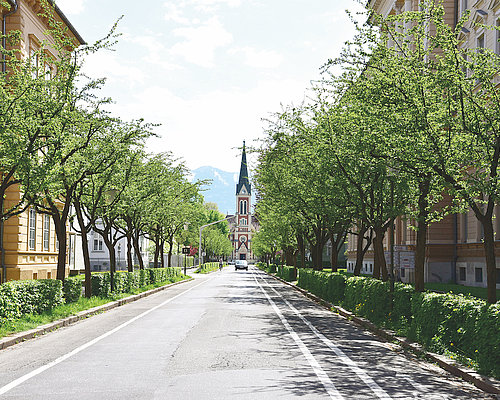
[
  {"x": 18, "y": 298},
  {"x": 72, "y": 288},
  {"x": 208, "y": 267},
  {"x": 128, "y": 281},
  {"x": 286, "y": 273}
]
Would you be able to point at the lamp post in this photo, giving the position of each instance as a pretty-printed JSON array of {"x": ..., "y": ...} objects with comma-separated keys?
[{"x": 200, "y": 253}]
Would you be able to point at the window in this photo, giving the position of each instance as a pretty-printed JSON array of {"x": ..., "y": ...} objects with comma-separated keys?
[
  {"x": 243, "y": 221},
  {"x": 403, "y": 270},
  {"x": 480, "y": 43},
  {"x": 243, "y": 206},
  {"x": 98, "y": 244},
  {"x": 32, "y": 229},
  {"x": 461, "y": 274},
  {"x": 46, "y": 232},
  {"x": 479, "y": 275},
  {"x": 34, "y": 63}
]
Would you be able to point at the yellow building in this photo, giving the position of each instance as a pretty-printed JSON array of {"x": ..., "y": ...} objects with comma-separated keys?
[{"x": 30, "y": 242}]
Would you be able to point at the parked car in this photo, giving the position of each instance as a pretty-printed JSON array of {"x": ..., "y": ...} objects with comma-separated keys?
[
  {"x": 230, "y": 262},
  {"x": 240, "y": 264}
]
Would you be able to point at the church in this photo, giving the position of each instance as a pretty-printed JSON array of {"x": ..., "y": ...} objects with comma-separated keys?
[{"x": 242, "y": 224}]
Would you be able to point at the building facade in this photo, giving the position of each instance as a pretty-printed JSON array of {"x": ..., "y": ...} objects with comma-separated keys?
[
  {"x": 454, "y": 245},
  {"x": 30, "y": 243}
]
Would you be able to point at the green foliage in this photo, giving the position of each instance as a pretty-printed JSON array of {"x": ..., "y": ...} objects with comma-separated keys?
[
  {"x": 18, "y": 298},
  {"x": 208, "y": 267},
  {"x": 72, "y": 288},
  {"x": 126, "y": 282},
  {"x": 286, "y": 273}
]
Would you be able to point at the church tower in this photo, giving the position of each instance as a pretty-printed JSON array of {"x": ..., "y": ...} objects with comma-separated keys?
[{"x": 242, "y": 236}]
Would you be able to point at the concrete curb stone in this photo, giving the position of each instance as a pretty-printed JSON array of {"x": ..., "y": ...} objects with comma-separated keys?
[
  {"x": 42, "y": 329},
  {"x": 484, "y": 383}
]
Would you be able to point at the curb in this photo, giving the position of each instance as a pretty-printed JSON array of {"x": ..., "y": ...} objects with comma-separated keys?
[
  {"x": 486, "y": 384},
  {"x": 43, "y": 329}
]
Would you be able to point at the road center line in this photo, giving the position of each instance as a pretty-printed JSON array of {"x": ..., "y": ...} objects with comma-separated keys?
[
  {"x": 64, "y": 357},
  {"x": 379, "y": 392},
  {"x": 320, "y": 373}
]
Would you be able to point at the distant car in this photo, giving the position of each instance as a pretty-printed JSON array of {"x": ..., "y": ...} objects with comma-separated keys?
[
  {"x": 230, "y": 262},
  {"x": 240, "y": 264}
]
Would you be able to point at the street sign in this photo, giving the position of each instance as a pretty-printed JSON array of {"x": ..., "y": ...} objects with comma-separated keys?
[{"x": 186, "y": 250}]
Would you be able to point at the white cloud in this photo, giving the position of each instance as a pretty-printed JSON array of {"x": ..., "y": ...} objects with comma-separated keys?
[
  {"x": 259, "y": 58},
  {"x": 108, "y": 64},
  {"x": 201, "y": 42},
  {"x": 208, "y": 129},
  {"x": 71, "y": 7},
  {"x": 156, "y": 50},
  {"x": 175, "y": 13}
]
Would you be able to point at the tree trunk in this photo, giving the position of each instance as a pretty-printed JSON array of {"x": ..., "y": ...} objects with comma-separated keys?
[
  {"x": 380, "y": 266},
  {"x": 85, "y": 248},
  {"x": 169, "y": 255},
  {"x": 489, "y": 249},
  {"x": 112, "y": 259},
  {"x": 137, "y": 249},
  {"x": 61, "y": 254},
  {"x": 360, "y": 253},
  {"x": 157, "y": 252},
  {"x": 334, "y": 256},
  {"x": 422, "y": 226},
  {"x": 302, "y": 250},
  {"x": 130, "y": 262}
]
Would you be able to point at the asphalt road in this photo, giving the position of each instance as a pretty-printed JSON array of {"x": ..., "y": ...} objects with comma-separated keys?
[{"x": 227, "y": 335}]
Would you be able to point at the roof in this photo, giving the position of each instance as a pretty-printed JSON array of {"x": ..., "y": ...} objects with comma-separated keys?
[
  {"x": 67, "y": 23},
  {"x": 244, "y": 179}
]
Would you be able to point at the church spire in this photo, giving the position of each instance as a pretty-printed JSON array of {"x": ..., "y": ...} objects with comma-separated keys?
[{"x": 243, "y": 181}]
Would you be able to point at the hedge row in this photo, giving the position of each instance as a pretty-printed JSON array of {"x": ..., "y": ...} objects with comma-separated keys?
[
  {"x": 286, "y": 273},
  {"x": 18, "y": 298},
  {"x": 271, "y": 268},
  {"x": 208, "y": 267},
  {"x": 465, "y": 326},
  {"x": 128, "y": 281}
]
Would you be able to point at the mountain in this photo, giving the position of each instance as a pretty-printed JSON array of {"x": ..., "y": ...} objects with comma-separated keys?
[{"x": 222, "y": 189}]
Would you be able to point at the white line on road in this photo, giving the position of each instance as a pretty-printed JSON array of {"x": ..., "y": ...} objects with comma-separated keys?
[
  {"x": 45, "y": 367},
  {"x": 320, "y": 373},
  {"x": 379, "y": 392}
]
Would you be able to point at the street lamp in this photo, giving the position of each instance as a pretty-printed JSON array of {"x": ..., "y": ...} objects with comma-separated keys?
[{"x": 200, "y": 253}]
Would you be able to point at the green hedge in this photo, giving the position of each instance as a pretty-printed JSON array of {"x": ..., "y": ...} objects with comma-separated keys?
[
  {"x": 72, "y": 288},
  {"x": 125, "y": 282},
  {"x": 286, "y": 273},
  {"x": 446, "y": 323},
  {"x": 208, "y": 267},
  {"x": 271, "y": 269},
  {"x": 18, "y": 298}
]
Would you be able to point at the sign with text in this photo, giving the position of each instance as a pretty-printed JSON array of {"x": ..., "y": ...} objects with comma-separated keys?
[{"x": 186, "y": 250}]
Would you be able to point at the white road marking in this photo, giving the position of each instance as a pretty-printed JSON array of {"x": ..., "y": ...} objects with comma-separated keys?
[
  {"x": 320, "y": 373},
  {"x": 379, "y": 392},
  {"x": 24, "y": 378}
]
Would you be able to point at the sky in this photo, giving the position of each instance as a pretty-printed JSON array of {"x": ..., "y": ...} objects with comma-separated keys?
[{"x": 209, "y": 71}]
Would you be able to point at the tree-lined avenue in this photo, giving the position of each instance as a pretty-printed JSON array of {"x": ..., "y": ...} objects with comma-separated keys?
[{"x": 227, "y": 335}]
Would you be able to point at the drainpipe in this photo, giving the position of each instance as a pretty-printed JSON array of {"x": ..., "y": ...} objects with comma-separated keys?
[{"x": 13, "y": 9}]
